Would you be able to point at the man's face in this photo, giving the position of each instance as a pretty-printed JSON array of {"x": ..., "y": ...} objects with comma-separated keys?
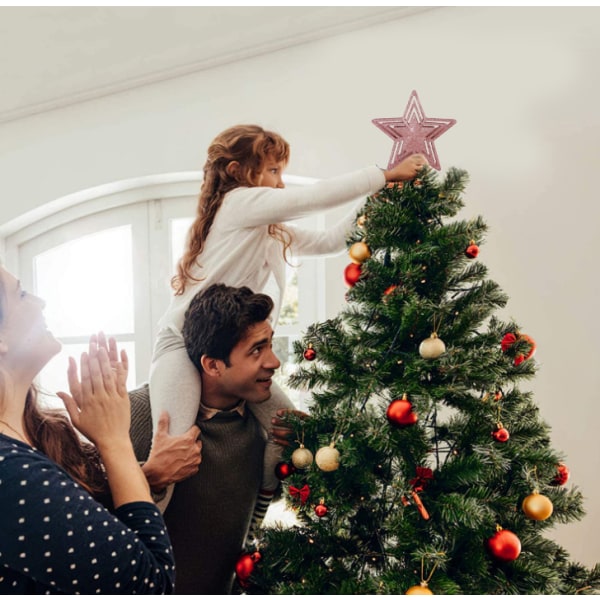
[{"x": 252, "y": 366}]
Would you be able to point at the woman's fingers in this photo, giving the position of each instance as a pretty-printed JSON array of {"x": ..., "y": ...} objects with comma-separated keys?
[
  {"x": 122, "y": 369},
  {"x": 113, "y": 354},
  {"x": 108, "y": 375},
  {"x": 86, "y": 379}
]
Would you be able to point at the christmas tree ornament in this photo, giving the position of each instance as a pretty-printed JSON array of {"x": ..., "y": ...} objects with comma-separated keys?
[
  {"x": 500, "y": 434},
  {"x": 359, "y": 252},
  {"x": 497, "y": 396},
  {"x": 536, "y": 506},
  {"x": 432, "y": 347},
  {"x": 510, "y": 338},
  {"x": 301, "y": 493},
  {"x": 400, "y": 412},
  {"x": 420, "y": 506},
  {"x": 328, "y": 458},
  {"x": 310, "y": 353},
  {"x": 361, "y": 221},
  {"x": 418, "y": 483},
  {"x": 414, "y": 133},
  {"x": 562, "y": 475},
  {"x": 244, "y": 567},
  {"x": 320, "y": 509},
  {"x": 283, "y": 470},
  {"x": 472, "y": 250},
  {"x": 423, "y": 588},
  {"x": 419, "y": 590},
  {"x": 352, "y": 274},
  {"x": 504, "y": 544},
  {"x": 388, "y": 292},
  {"x": 302, "y": 457}
]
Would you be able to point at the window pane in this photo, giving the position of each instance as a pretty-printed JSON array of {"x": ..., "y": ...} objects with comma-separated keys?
[
  {"x": 53, "y": 377},
  {"x": 283, "y": 346},
  {"x": 88, "y": 284},
  {"x": 179, "y": 229},
  {"x": 289, "y": 306}
]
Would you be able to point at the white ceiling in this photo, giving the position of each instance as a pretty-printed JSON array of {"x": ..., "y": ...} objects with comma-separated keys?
[{"x": 51, "y": 57}]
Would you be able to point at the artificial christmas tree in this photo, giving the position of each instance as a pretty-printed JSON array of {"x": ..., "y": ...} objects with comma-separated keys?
[{"x": 433, "y": 472}]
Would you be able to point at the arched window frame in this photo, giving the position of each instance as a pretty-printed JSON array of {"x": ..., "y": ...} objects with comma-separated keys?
[{"x": 147, "y": 203}]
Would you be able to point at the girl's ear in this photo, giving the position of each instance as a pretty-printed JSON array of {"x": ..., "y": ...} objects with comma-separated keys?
[
  {"x": 233, "y": 168},
  {"x": 211, "y": 366}
]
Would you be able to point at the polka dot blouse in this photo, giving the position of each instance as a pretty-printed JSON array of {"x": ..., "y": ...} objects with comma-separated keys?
[{"x": 55, "y": 538}]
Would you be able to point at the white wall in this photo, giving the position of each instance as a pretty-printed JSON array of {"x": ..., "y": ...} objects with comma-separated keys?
[{"x": 523, "y": 86}]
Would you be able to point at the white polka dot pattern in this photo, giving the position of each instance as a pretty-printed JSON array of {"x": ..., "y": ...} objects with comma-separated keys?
[{"x": 55, "y": 538}]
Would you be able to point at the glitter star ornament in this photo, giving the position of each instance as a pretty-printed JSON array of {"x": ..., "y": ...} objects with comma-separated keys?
[{"x": 414, "y": 133}]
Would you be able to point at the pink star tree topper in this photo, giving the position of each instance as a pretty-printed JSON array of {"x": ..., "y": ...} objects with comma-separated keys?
[{"x": 414, "y": 133}]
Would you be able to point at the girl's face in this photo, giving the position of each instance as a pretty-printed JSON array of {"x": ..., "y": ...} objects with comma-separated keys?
[
  {"x": 25, "y": 341},
  {"x": 271, "y": 174}
]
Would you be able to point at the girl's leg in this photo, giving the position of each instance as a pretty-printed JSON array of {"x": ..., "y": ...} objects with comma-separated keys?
[
  {"x": 175, "y": 383},
  {"x": 175, "y": 387},
  {"x": 264, "y": 412}
]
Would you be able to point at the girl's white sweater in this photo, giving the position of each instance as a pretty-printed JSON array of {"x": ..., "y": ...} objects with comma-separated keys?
[{"x": 239, "y": 250}]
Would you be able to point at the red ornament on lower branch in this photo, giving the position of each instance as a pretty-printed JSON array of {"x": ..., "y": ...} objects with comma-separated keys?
[
  {"x": 501, "y": 434},
  {"x": 284, "y": 470},
  {"x": 244, "y": 567},
  {"x": 504, "y": 545},
  {"x": 352, "y": 274},
  {"x": 510, "y": 338},
  {"x": 320, "y": 509},
  {"x": 562, "y": 475},
  {"x": 400, "y": 412},
  {"x": 310, "y": 353}
]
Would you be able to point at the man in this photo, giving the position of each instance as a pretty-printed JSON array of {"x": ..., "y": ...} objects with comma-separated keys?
[{"x": 229, "y": 339}]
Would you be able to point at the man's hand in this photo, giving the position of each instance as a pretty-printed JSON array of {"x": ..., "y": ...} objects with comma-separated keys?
[
  {"x": 281, "y": 431},
  {"x": 173, "y": 458}
]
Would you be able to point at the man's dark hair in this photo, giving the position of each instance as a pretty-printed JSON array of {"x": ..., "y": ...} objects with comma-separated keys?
[{"x": 219, "y": 317}]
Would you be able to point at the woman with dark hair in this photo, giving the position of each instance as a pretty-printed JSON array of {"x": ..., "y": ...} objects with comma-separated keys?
[{"x": 54, "y": 536}]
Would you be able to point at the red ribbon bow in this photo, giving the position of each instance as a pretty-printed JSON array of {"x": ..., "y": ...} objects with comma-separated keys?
[
  {"x": 301, "y": 493},
  {"x": 424, "y": 475}
]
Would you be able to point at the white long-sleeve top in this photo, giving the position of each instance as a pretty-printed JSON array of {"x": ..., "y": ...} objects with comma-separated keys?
[{"x": 239, "y": 250}]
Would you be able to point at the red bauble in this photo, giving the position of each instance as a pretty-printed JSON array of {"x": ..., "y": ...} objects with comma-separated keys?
[
  {"x": 245, "y": 566},
  {"x": 500, "y": 434},
  {"x": 562, "y": 475},
  {"x": 504, "y": 545},
  {"x": 321, "y": 510},
  {"x": 507, "y": 341},
  {"x": 283, "y": 470},
  {"x": 400, "y": 413},
  {"x": 352, "y": 274},
  {"x": 472, "y": 250},
  {"x": 310, "y": 353},
  {"x": 510, "y": 338}
]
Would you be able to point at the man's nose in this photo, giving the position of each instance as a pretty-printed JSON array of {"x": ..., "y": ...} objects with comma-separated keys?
[{"x": 273, "y": 362}]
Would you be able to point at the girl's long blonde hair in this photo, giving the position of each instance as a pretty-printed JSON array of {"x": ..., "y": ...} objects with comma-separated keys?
[{"x": 250, "y": 146}]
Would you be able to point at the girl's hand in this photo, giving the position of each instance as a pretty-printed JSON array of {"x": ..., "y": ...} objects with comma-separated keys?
[
  {"x": 99, "y": 405},
  {"x": 407, "y": 169}
]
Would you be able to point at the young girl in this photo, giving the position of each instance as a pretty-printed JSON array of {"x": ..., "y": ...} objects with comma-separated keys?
[
  {"x": 238, "y": 238},
  {"x": 55, "y": 538}
]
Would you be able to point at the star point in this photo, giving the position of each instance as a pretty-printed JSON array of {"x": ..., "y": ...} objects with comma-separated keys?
[{"x": 414, "y": 133}]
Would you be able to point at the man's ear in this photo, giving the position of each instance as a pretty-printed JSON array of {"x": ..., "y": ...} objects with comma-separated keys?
[
  {"x": 211, "y": 366},
  {"x": 233, "y": 168}
]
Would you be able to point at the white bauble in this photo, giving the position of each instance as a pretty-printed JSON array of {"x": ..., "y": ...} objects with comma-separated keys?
[
  {"x": 302, "y": 457},
  {"x": 432, "y": 347},
  {"x": 327, "y": 458}
]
